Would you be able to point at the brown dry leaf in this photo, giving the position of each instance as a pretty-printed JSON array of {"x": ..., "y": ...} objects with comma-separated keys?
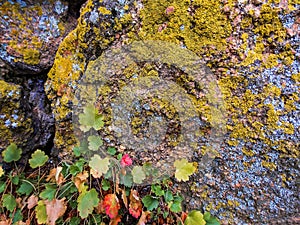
[
  {"x": 20, "y": 223},
  {"x": 143, "y": 218},
  {"x": 6, "y": 222},
  {"x": 124, "y": 198},
  {"x": 32, "y": 201},
  {"x": 100, "y": 209},
  {"x": 80, "y": 179},
  {"x": 55, "y": 175},
  {"x": 55, "y": 209},
  {"x": 19, "y": 202},
  {"x": 95, "y": 174}
]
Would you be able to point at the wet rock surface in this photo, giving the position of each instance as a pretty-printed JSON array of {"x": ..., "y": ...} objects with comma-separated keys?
[{"x": 31, "y": 32}]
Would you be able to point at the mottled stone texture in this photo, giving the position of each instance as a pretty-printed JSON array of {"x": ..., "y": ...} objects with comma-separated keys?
[
  {"x": 252, "y": 48},
  {"x": 31, "y": 32},
  {"x": 25, "y": 118}
]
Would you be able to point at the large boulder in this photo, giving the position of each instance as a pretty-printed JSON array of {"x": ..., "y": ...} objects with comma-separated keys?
[{"x": 253, "y": 51}]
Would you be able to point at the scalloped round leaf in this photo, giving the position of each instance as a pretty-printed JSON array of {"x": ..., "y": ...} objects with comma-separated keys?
[
  {"x": 9, "y": 202},
  {"x": 11, "y": 153},
  {"x": 138, "y": 174},
  {"x": 101, "y": 166},
  {"x": 87, "y": 201},
  {"x": 184, "y": 169},
  {"x": 194, "y": 218},
  {"x": 150, "y": 202},
  {"x": 90, "y": 118},
  {"x": 40, "y": 212},
  {"x": 94, "y": 142},
  {"x": 38, "y": 158}
]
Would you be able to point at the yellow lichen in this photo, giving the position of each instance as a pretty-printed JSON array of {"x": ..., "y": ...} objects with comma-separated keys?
[
  {"x": 104, "y": 11},
  {"x": 31, "y": 56}
]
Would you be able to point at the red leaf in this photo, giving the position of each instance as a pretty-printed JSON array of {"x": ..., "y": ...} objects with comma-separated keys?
[
  {"x": 115, "y": 221},
  {"x": 111, "y": 205},
  {"x": 126, "y": 160},
  {"x": 135, "y": 205}
]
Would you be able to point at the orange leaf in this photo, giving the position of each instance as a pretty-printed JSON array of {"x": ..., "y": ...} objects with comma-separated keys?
[
  {"x": 143, "y": 219},
  {"x": 115, "y": 221},
  {"x": 183, "y": 216},
  {"x": 135, "y": 205},
  {"x": 111, "y": 205},
  {"x": 32, "y": 201},
  {"x": 55, "y": 209}
]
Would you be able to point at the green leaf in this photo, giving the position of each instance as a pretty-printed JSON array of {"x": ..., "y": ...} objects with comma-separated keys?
[
  {"x": 138, "y": 174},
  {"x": 90, "y": 118},
  {"x": 119, "y": 156},
  {"x": 15, "y": 179},
  {"x": 25, "y": 188},
  {"x": 105, "y": 184},
  {"x": 126, "y": 180},
  {"x": 17, "y": 216},
  {"x": 95, "y": 142},
  {"x": 157, "y": 190},
  {"x": 99, "y": 165},
  {"x": 9, "y": 202},
  {"x": 176, "y": 204},
  {"x": 150, "y": 202},
  {"x": 40, "y": 212},
  {"x": 87, "y": 201},
  {"x": 194, "y": 218},
  {"x": 77, "y": 167},
  {"x": 183, "y": 169},
  {"x": 210, "y": 220},
  {"x": 75, "y": 221},
  {"x": 111, "y": 150},
  {"x": 81, "y": 149},
  {"x": 12, "y": 153},
  {"x": 165, "y": 214},
  {"x": 38, "y": 158},
  {"x": 176, "y": 207},
  {"x": 2, "y": 186},
  {"x": 49, "y": 192},
  {"x": 168, "y": 196}
]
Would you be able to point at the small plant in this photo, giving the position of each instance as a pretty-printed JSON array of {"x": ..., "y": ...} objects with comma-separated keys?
[{"x": 100, "y": 190}]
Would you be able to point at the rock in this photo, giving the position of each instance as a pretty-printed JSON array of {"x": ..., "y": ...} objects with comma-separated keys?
[
  {"x": 25, "y": 117},
  {"x": 99, "y": 25},
  {"x": 31, "y": 32},
  {"x": 253, "y": 179}
]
